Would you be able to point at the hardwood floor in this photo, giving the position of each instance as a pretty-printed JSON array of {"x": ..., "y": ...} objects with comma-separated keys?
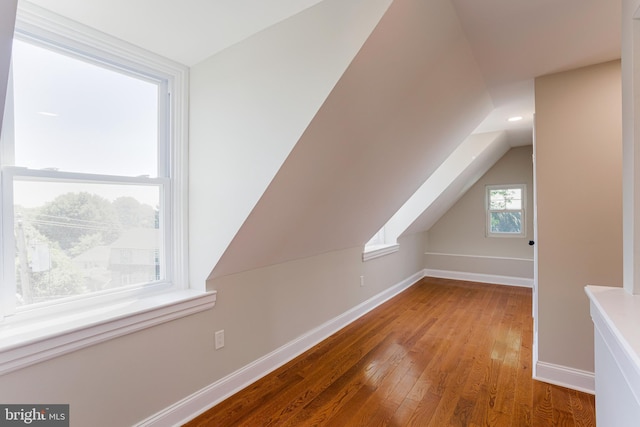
[{"x": 442, "y": 353}]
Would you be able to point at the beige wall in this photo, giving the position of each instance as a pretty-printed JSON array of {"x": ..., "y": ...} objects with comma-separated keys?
[
  {"x": 462, "y": 230},
  {"x": 579, "y": 197},
  {"x": 265, "y": 308},
  {"x": 124, "y": 380}
]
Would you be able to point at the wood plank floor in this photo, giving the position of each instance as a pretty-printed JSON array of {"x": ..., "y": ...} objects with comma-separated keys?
[{"x": 442, "y": 353}]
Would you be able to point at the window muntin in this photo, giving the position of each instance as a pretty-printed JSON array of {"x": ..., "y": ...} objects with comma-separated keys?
[
  {"x": 92, "y": 136},
  {"x": 505, "y": 206}
]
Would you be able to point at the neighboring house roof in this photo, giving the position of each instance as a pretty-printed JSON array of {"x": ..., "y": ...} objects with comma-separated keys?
[
  {"x": 137, "y": 238},
  {"x": 97, "y": 253}
]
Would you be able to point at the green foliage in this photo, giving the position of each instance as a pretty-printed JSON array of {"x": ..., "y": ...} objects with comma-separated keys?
[
  {"x": 85, "y": 243},
  {"x": 131, "y": 213},
  {"x": 68, "y": 226},
  {"x": 505, "y": 198},
  {"x": 62, "y": 279},
  {"x": 71, "y": 216},
  {"x": 506, "y": 222},
  {"x": 505, "y": 205}
]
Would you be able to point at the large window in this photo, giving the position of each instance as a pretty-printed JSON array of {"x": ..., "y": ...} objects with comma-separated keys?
[
  {"x": 91, "y": 177},
  {"x": 505, "y": 210},
  {"x": 93, "y": 203}
]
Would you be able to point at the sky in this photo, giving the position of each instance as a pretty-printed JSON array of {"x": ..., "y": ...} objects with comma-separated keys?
[{"x": 72, "y": 115}]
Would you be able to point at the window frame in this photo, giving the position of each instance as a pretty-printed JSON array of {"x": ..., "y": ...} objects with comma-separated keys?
[
  {"x": 378, "y": 246},
  {"x": 489, "y": 211},
  {"x": 36, "y": 335}
]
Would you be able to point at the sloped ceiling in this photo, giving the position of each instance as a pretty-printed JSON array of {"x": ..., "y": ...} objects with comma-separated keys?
[
  {"x": 470, "y": 160},
  {"x": 415, "y": 91},
  {"x": 250, "y": 105},
  {"x": 516, "y": 41},
  {"x": 512, "y": 41},
  {"x": 187, "y": 31},
  {"x": 462, "y": 182},
  {"x": 410, "y": 96}
]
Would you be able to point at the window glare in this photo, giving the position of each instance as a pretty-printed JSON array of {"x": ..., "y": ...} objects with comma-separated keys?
[{"x": 75, "y": 116}]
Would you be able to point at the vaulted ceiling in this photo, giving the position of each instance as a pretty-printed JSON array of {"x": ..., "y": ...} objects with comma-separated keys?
[
  {"x": 365, "y": 136},
  {"x": 512, "y": 41}
]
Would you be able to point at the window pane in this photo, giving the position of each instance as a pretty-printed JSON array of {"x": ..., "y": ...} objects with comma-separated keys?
[
  {"x": 79, "y": 238},
  {"x": 513, "y": 198},
  {"x": 79, "y": 117},
  {"x": 497, "y": 199},
  {"x": 506, "y": 222},
  {"x": 506, "y": 198}
]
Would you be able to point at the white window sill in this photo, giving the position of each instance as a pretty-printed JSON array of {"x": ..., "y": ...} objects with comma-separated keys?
[
  {"x": 23, "y": 344},
  {"x": 377, "y": 251}
]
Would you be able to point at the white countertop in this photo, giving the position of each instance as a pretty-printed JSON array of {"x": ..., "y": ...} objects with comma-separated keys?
[{"x": 616, "y": 314}]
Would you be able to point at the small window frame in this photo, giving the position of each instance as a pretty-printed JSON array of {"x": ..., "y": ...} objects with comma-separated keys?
[{"x": 489, "y": 211}]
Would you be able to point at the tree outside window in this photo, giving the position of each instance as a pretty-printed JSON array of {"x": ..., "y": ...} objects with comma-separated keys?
[{"x": 505, "y": 210}]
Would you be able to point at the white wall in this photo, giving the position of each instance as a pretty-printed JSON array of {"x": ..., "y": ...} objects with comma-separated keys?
[
  {"x": 7, "y": 23},
  {"x": 631, "y": 144}
]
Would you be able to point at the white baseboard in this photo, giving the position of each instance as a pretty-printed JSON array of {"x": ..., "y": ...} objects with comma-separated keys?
[
  {"x": 564, "y": 376},
  {"x": 482, "y": 278},
  {"x": 204, "y": 399}
]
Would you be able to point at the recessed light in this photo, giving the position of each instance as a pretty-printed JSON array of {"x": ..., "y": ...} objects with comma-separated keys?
[{"x": 515, "y": 119}]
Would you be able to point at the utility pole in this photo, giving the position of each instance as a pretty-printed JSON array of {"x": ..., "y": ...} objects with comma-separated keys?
[{"x": 24, "y": 264}]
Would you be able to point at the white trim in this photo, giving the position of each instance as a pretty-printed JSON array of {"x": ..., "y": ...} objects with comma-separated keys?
[
  {"x": 564, "y": 376},
  {"x": 204, "y": 399},
  {"x": 25, "y": 342},
  {"x": 481, "y": 256},
  {"x": 615, "y": 318},
  {"x": 534, "y": 298},
  {"x": 89, "y": 42},
  {"x": 378, "y": 251},
  {"x": 26, "y": 345},
  {"x": 31, "y": 18},
  {"x": 479, "y": 277}
]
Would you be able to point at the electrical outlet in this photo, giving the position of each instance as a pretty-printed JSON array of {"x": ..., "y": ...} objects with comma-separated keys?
[
  {"x": 361, "y": 281},
  {"x": 219, "y": 339}
]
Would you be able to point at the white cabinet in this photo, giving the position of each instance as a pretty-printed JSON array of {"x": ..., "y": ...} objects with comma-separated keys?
[{"x": 616, "y": 319}]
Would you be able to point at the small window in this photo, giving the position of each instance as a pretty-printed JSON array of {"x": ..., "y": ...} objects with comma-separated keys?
[
  {"x": 377, "y": 240},
  {"x": 506, "y": 210}
]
